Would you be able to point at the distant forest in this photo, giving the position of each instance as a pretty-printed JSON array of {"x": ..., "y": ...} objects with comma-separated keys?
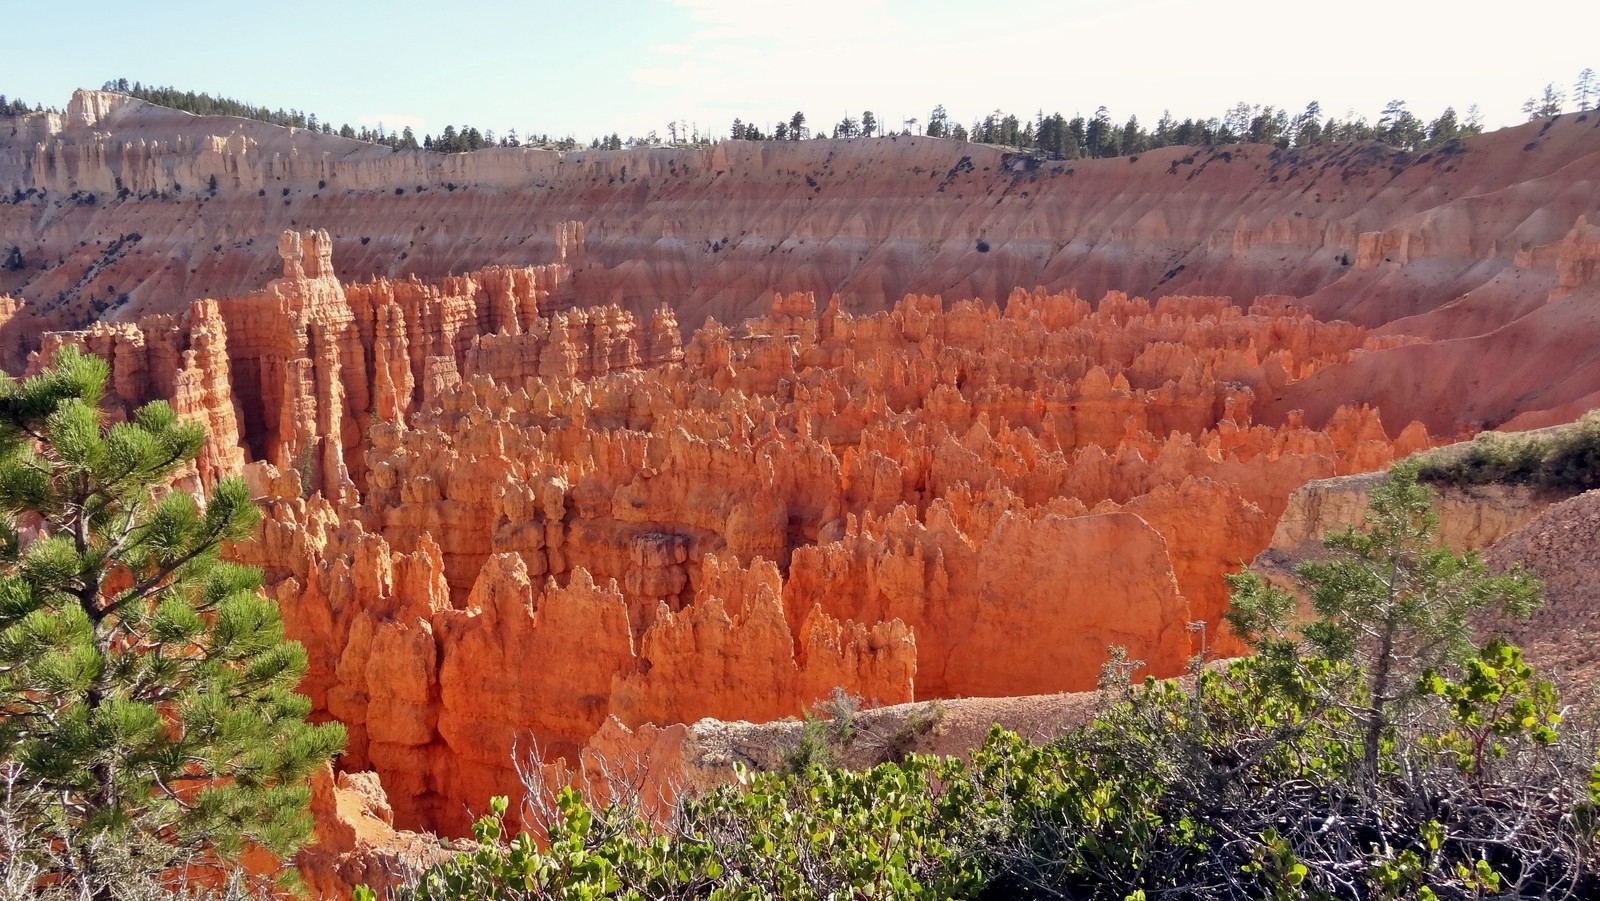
[
  {"x": 1100, "y": 136},
  {"x": 17, "y": 107},
  {"x": 1054, "y": 134},
  {"x": 203, "y": 104}
]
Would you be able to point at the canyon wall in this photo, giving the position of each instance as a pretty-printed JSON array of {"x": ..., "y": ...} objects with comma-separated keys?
[
  {"x": 498, "y": 522},
  {"x": 113, "y": 209}
]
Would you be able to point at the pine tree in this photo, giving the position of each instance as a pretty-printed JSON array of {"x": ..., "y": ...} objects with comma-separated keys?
[
  {"x": 1585, "y": 90},
  {"x": 1444, "y": 128},
  {"x": 1103, "y": 139},
  {"x": 1166, "y": 126},
  {"x": 147, "y": 693},
  {"x": 1307, "y": 127},
  {"x": 1134, "y": 138},
  {"x": 1389, "y": 599},
  {"x": 1545, "y": 105}
]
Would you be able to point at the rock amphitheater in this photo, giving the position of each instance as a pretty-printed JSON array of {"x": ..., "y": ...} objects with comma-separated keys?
[{"x": 573, "y": 452}]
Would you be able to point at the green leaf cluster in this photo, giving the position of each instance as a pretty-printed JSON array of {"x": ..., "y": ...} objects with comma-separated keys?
[
  {"x": 1495, "y": 701},
  {"x": 885, "y": 832}
]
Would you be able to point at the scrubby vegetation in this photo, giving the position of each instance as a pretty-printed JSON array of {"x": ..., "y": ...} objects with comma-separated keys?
[
  {"x": 834, "y": 730},
  {"x": 1563, "y": 462},
  {"x": 827, "y": 730},
  {"x": 1377, "y": 753}
]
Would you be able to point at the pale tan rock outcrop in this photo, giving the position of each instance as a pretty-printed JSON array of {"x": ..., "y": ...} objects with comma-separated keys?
[
  {"x": 356, "y": 842},
  {"x": 1475, "y": 517}
]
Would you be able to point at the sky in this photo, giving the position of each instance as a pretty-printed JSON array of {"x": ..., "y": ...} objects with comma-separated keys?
[{"x": 584, "y": 68}]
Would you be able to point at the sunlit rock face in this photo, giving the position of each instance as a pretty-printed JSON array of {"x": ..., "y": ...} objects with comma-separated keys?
[
  {"x": 498, "y": 520},
  {"x": 513, "y": 507}
]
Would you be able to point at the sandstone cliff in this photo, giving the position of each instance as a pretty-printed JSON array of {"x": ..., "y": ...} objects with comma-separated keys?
[{"x": 1485, "y": 242}]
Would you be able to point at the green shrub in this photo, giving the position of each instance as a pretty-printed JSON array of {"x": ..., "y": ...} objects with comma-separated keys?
[
  {"x": 1492, "y": 457},
  {"x": 1566, "y": 463},
  {"x": 881, "y": 833},
  {"x": 828, "y": 729},
  {"x": 1574, "y": 466},
  {"x": 1230, "y": 787},
  {"x": 924, "y": 720},
  {"x": 812, "y": 750}
]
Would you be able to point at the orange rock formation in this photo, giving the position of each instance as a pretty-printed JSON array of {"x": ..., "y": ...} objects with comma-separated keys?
[
  {"x": 512, "y": 512},
  {"x": 499, "y": 521}
]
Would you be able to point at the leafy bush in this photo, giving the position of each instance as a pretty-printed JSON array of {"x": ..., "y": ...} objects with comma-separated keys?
[
  {"x": 885, "y": 832},
  {"x": 1227, "y": 788},
  {"x": 1574, "y": 465},
  {"x": 1236, "y": 789}
]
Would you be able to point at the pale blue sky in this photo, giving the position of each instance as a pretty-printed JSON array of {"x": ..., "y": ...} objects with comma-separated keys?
[{"x": 588, "y": 68}]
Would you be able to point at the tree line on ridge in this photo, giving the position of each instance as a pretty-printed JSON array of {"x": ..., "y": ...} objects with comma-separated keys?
[{"x": 1097, "y": 135}]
